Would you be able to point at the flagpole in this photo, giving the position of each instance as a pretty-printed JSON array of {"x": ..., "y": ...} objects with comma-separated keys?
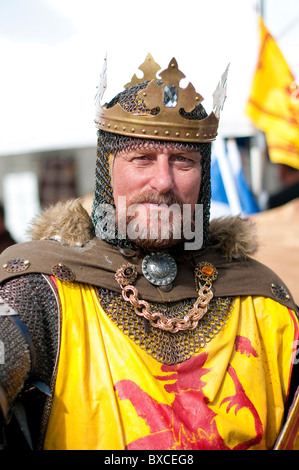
[
  {"x": 227, "y": 176},
  {"x": 257, "y": 150},
  {"x": 262, "y": 8}
]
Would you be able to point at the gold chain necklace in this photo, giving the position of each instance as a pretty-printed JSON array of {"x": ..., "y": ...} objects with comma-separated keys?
[{"x": 127, "y": 274}]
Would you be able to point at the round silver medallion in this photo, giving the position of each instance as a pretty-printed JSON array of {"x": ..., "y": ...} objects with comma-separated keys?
[{"x": 159, "y": 268}]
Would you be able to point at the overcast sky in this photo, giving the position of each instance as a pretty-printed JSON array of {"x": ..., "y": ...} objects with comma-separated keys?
[{"x": 52, "y": 53}]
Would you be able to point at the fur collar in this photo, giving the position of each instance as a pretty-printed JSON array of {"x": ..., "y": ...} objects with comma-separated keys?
[{"x": 70, "y": 223}]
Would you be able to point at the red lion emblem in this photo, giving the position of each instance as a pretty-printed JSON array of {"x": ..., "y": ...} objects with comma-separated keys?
[{"x": 188, "y": 423}]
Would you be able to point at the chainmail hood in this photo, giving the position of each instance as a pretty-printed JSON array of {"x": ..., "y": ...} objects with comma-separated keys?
[{"x": 110, "y": 143}]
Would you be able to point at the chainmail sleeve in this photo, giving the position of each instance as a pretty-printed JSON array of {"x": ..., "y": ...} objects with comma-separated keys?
[{"x": 34, "y": 300}]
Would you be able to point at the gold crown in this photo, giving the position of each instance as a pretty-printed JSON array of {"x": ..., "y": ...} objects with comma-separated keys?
[{"x": 166, "y": 123}]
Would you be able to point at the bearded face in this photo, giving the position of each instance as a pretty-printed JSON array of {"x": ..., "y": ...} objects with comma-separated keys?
[{"x": 155, "y": 193}]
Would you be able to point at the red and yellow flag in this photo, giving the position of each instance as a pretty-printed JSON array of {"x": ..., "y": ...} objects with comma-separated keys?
[{"x": 273, "y": 104}]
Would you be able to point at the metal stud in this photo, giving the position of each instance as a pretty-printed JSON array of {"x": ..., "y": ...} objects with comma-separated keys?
[
  {"x": 63, "y": 273},
  {"x": 126, "y": 274},
  {"x": 280, "y": 292},
  {"x": 16, "y": 265},
  {"x": 159, "y": 269}
]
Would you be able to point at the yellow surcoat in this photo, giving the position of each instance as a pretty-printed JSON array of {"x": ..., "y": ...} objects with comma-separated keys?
[{"x": 110, "y": 394}]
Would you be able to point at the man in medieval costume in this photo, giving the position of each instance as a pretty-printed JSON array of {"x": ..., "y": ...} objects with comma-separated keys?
[{"x": 146, "y": 326}]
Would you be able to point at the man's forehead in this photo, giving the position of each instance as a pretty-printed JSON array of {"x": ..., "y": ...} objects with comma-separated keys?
[{"x": 157, "y": 151}]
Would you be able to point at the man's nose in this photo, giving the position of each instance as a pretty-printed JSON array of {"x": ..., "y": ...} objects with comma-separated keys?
[{"x": 162, "y": 178}]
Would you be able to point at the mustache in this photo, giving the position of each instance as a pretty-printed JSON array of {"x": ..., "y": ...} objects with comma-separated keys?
[{"x": 153, "y": 197}]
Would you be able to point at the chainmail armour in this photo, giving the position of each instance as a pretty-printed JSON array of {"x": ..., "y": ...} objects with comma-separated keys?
[
  {"x": 33, "y": 298},
  {"x": 166, "y": 347}
]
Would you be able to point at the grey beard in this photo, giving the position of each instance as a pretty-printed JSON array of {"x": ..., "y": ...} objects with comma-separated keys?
[{"x": 156, "y": 229}]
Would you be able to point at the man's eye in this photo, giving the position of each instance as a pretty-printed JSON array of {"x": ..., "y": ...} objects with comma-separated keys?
[
  {"x": 182, "y": 161},
  {"x": 142, "y": 159}
]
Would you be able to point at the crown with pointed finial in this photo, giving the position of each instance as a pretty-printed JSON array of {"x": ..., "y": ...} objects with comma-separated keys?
[{"x": 167, "y": 98}]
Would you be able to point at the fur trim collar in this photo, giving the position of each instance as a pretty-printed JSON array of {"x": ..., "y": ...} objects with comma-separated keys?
[
  {"x": 70, "y": 223},
  {"x": 235, "y": 237},
  {"x": 67, "y": 222}
]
